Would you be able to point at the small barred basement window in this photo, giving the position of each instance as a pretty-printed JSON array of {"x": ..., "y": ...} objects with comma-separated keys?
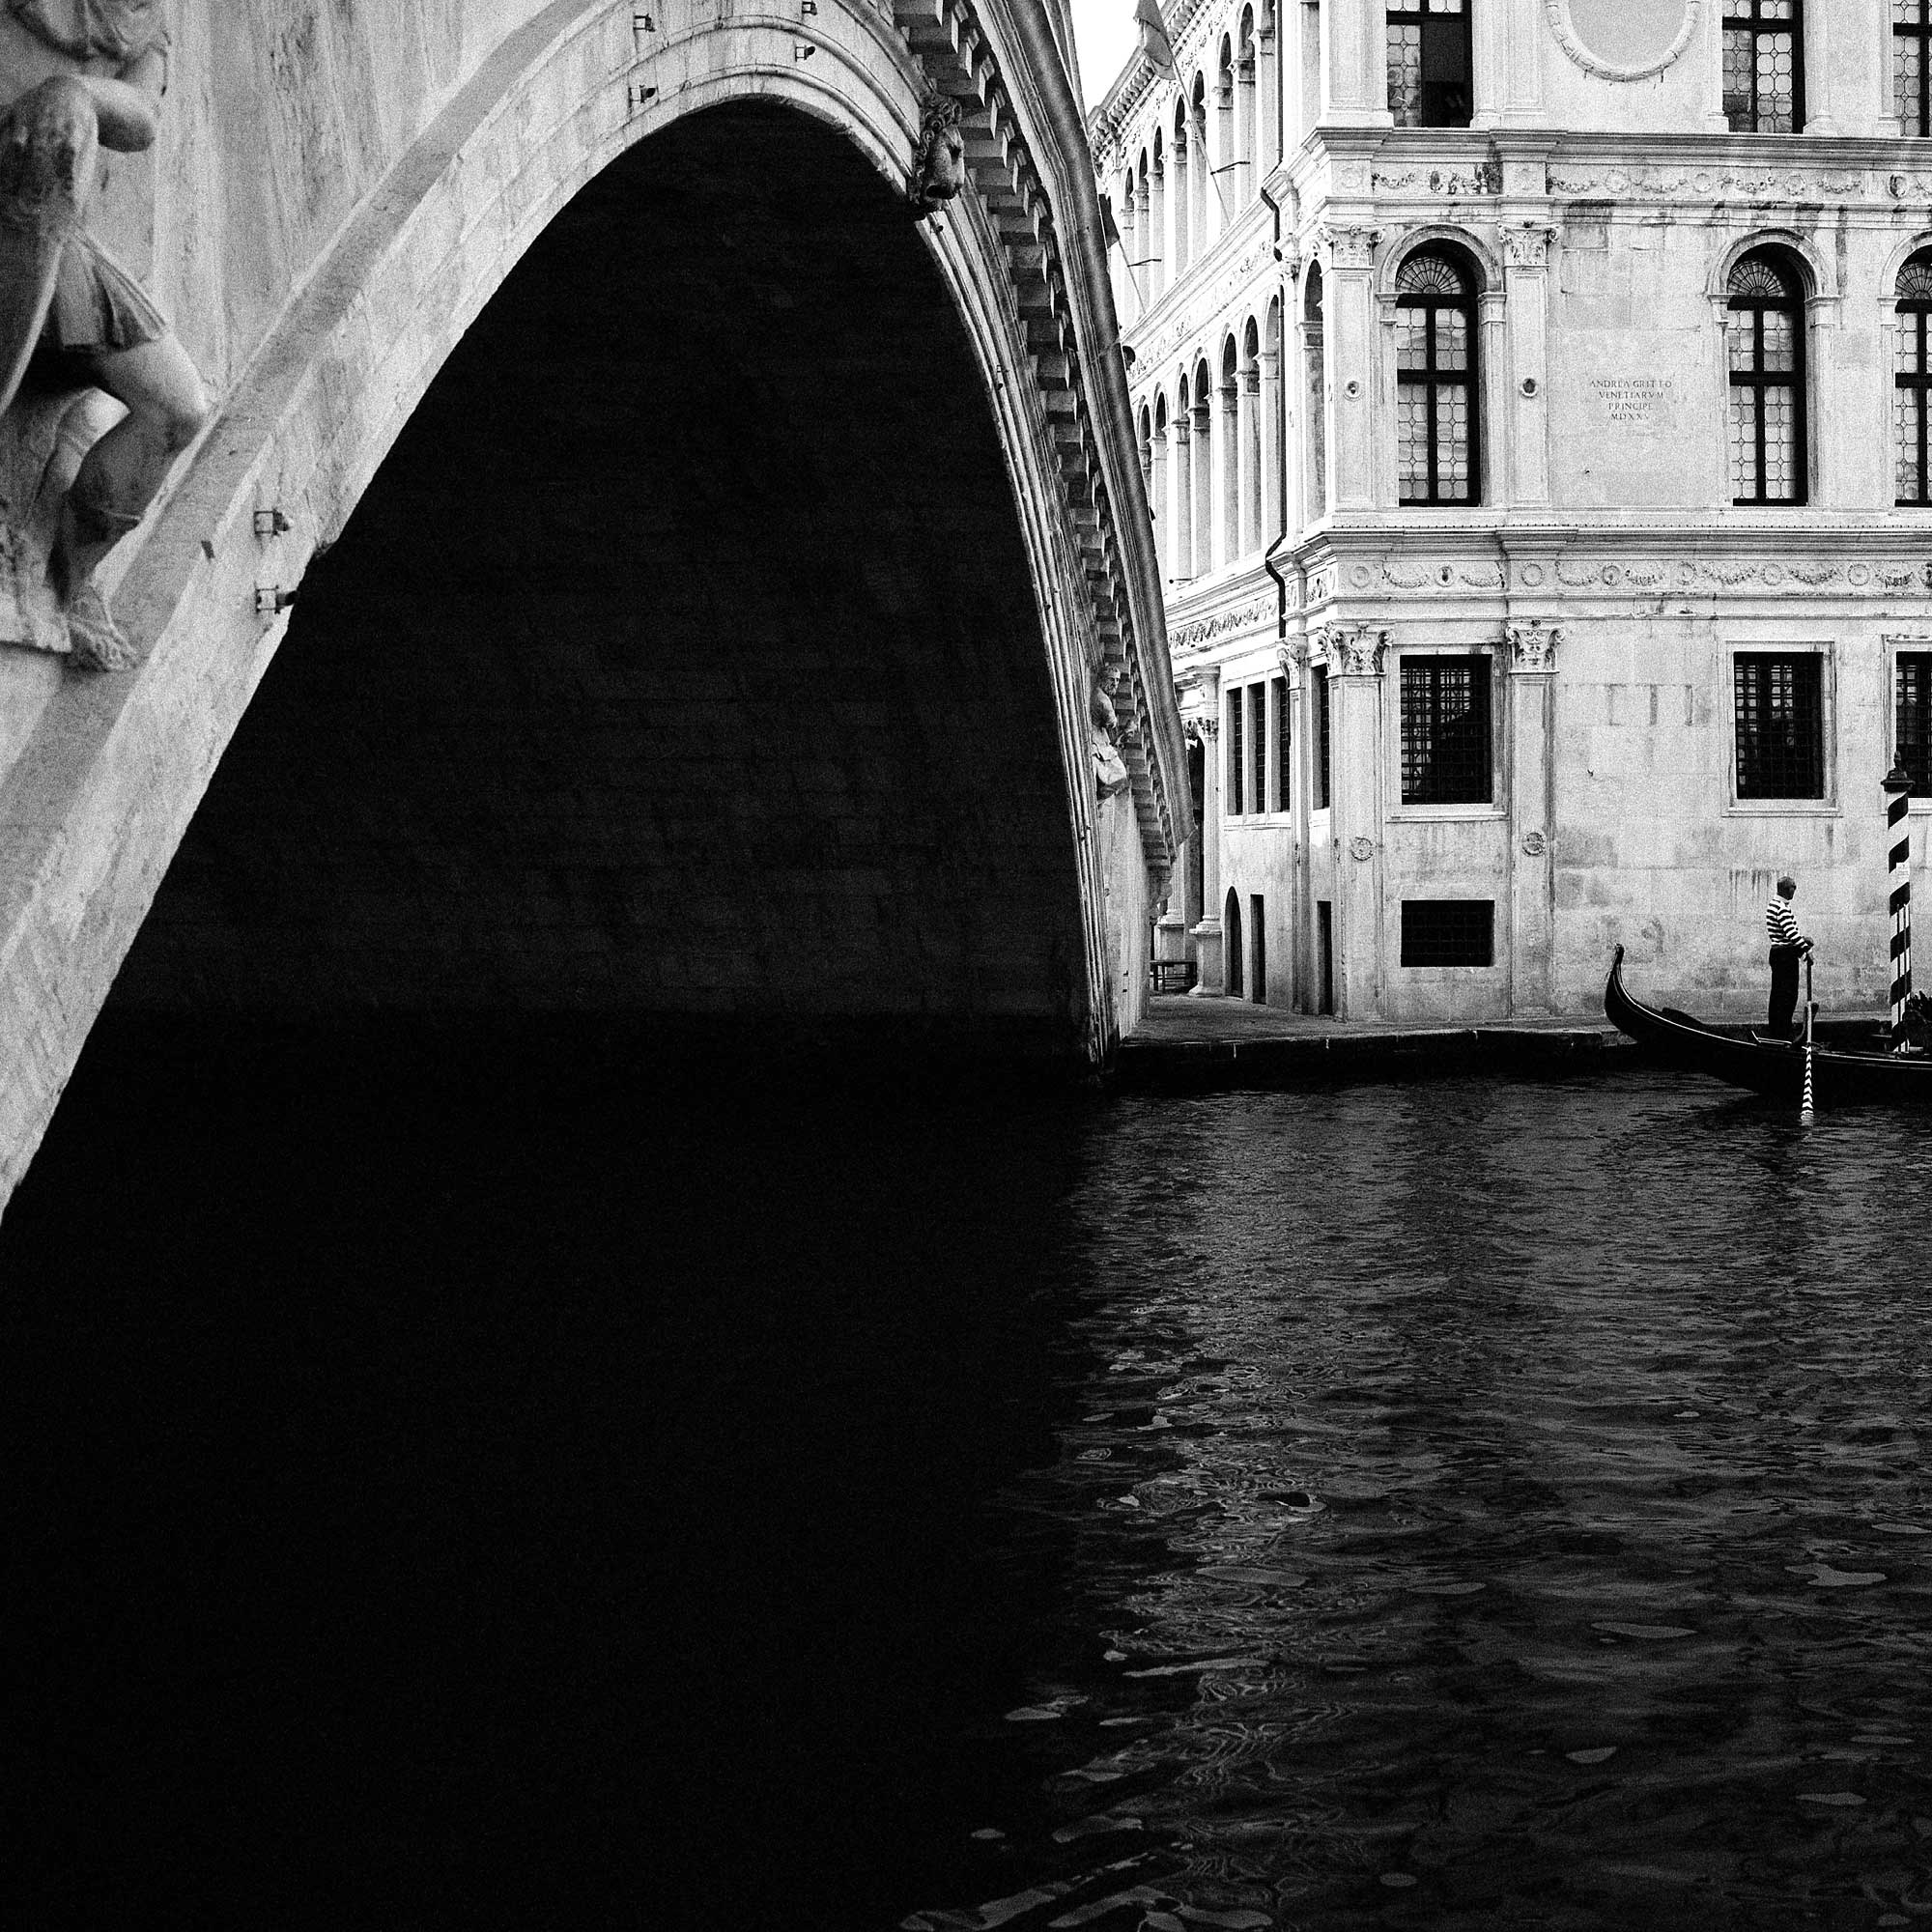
[{"x": 1448, "y": 932}]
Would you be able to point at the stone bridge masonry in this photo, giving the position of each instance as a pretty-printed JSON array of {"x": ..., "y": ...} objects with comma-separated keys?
[{"x": 758, "y": 619}]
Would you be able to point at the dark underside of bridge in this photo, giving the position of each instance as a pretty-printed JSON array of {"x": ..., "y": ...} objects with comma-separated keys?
[{"x": 678, "y": 673}]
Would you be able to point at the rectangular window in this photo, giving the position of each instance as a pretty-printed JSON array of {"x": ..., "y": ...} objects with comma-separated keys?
[
  {"x": 1258, "y": 746},
  {"x": 1780, "y": 724},
  {"x": 1912, "y": 719},
  {"x": 1278, "y": 687},
  {"x": 1448, "y": 932},
  {"x": 1324, "y": 738},
  {"x": 1765, "y": 375},
  {"x": 1428, "y": 62},
  {"x": 1911, "y": 64},
  {"x": 1446, "y": 730},
  {"x": 1236, "y": 763},
  {"x": 1764, "y": 67}
]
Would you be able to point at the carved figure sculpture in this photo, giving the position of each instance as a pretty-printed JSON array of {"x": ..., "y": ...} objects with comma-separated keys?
[
  {"x": 1110, "y": 768},
  {"x": 76, "y": 76},
  {"x": 939, "y": 161}
]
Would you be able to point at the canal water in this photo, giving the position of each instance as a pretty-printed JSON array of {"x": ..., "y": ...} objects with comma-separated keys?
[{"x": 1458, "y": 1504}]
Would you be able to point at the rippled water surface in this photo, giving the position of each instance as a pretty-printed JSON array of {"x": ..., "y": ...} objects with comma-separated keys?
[{"x": 1439, "y": 1506}]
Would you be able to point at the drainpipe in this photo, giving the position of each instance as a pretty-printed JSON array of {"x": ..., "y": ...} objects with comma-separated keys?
[{"x": 1280, "y": 428}]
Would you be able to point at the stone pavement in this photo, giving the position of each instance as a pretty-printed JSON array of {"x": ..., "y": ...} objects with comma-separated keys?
[{"x": 1185, "y": 1044}]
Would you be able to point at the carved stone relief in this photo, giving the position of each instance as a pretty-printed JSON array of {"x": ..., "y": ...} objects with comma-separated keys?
[
  {"x": 1715, "y": 183},
  {"x": 1485, "y": 178},
  {"x": 1355, "y": 651},
  {"x": 1224, "y": 624},
  {"x": 1350, "y": 247},
  {"x": 939, "y": 161},
  {"x": 1532, "y": 647},
  {"x": 1527, "y": 246},
  {"x": 74, "y": 480},
  {"x": 1623, "y": 39}
]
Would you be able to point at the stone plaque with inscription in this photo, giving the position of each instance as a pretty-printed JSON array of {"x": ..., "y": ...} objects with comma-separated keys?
[{"x": 1640, "y": 405}]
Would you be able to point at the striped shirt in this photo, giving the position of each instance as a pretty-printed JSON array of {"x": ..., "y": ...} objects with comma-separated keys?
[{"x": 1780, "y": 923}]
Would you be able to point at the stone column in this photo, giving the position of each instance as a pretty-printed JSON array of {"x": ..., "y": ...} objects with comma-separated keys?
[
  {"x": 1266, "y": 442},
  {"x": 1205, "y": 725},
  {"x": 1531, "y": 652},
  {"x": 1157, "y": 216},
  {"x": 1293, "y": 660},
  {"x": 1524, "y": 400},
  {"x": 1236, "y": 410},
  {"x": 1355, "y": 81},
  {"x": 1825, "y": 41},
  {"x": 1356, "y": 691},
  {"x": 1252, "y": 519},
  {"x": 1348, "y": 320}
]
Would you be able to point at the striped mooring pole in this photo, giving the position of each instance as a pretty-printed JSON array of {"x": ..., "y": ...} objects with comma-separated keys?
[{"x": 1898, "y": 876}]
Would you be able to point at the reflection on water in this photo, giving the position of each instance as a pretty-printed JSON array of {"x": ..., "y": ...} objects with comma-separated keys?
[
  {"x": 1453, "y": 1505},
  {"x": 1487, "y": 1506}
]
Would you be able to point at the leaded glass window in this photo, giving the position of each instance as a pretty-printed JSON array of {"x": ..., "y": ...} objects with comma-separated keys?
[
  {"x": 1911, "y": 64},
  {"x": 1428, "y": 64},
  {"x": 1445, "y": 730},
  {"x": 1912, "y": 382},
  {"x": 1912, "y": 719},
  {"x": 1781, "y": 721},
  {"x": 1764, "y": 67},
  {"x": 1258, "y": 746},
  {"x": 1278, "y": 689},
  {"x": 1765, "y": 330},
  {"x": 1436, "y": 382}
]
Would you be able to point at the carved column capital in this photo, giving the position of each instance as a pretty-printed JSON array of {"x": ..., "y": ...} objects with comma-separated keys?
[
  {"x": 1526, "y": 244},
  {"x": 1354, "y": 650},
  {"x": 1201, "y": 729},
  {"x": 1348, "y": 246},
  {"x": 1532, "y": 647}
]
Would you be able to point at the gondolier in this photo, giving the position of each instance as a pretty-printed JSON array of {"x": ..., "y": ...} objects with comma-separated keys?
[{"x": 1788, "y": 945}]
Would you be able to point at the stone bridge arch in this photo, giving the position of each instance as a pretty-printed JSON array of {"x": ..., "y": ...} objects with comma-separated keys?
[{"x": 393, "y": 231}]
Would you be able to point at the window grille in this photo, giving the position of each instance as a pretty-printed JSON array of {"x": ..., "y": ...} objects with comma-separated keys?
[
  {"x": 1446, "y": 730},
  {"x": 1780, "y": 724},
  {"x": 1911, "y": 382},
  {"x": 1279, "y": 688},
  {"x": 1448, "y": 932},
  {"x": 1258, "y": 746},
  {"x": 1911, "y": 64},
  {"x": 1912, "y": 719},
  {"x": 1765, "y": 334},
  {"x": 1236, "y": 766},
  {"x": 1435, "y": 380},
  {"x": 1326, "y": 738},
  {"x": 1428, "y": 64},
  {"x": 1764, "y": 67}
]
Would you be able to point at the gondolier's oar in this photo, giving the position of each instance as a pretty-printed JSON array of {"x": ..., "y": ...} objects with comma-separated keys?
[{"x": 1805, "y": 1112}]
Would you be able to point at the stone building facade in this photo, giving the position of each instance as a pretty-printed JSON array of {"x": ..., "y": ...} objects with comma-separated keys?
[{"x": 1532, "y": 396}]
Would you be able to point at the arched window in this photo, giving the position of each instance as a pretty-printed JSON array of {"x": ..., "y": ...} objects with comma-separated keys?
[
  {"x": 1232, "y": 441},
  {"x": 1156, "y": 206},
  {"x": 1913, "y": 384},
  {"x": 1315, "y": 412},
  {"x": 1244, "y": 107},
  {"x": 1203, "y": 470},
  {"x": 1766, "y": 331},
  {"x": 1198, "y": 145},
  {"x": 1180, "y": 195},
  {"x": 1184, "y": 454},
  {"x": 1436, "y": 380},
  {"x": 1163, "y": 540},
  {"x": 1253, "y": 518}
]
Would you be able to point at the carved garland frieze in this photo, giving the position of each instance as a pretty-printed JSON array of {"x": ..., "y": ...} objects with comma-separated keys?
[
  {"x": 1223, "y": 624},
  {"x": 1874, "y": 577},
  {"x": 1485, "y": 178},
  {"x": 1619, "y": 183}
]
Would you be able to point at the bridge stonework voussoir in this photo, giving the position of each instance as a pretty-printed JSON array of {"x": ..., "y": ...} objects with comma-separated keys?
[{"x": 101, "y": 777}]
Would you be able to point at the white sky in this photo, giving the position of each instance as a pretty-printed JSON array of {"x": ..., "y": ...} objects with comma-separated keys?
[{"x": 1103, "y": 31}]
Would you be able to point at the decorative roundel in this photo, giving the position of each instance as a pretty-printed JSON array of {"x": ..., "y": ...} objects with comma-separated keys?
[
  {"x": 1361, "y": 576},
  {"x": 1531, "y": 575},
  {"x": 1534, "y": 844},
  {"x": 1858, "y": 576},
  {"x": 1623, "y": 39},
  {"x": 1362, "y": 848}
]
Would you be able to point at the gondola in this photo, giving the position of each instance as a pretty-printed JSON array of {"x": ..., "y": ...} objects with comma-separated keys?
[{"x": 1840, "y": 1079}]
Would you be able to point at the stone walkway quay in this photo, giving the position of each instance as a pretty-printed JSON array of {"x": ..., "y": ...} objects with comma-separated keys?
[{"x": 1192, "y": 1046}]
